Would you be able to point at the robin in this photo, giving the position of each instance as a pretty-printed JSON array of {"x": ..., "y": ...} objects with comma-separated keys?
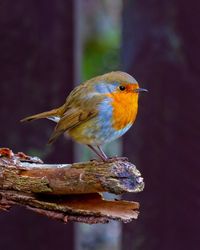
[{"x": 97, "y": 111}]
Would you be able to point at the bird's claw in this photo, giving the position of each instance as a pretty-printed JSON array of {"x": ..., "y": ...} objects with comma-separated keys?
[
  {"x": 110, "y": 159},
  {"x": 117, "y": 158}
]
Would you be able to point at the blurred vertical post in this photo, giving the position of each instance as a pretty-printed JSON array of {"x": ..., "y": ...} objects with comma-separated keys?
[
  {"x": 100, "y": 26},
  {"x": 37, "y": 73},
  {"x": 161, "y": 49}
]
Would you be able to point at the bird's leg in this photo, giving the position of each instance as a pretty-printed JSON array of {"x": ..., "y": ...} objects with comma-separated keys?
[
  {"x": 112, "y": 159},
  {"x": 104, "y": 157},
  {"x": 100, "y": 154}
]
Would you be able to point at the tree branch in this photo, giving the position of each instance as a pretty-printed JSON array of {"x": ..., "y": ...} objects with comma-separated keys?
[{"x": 69, "y": 192}]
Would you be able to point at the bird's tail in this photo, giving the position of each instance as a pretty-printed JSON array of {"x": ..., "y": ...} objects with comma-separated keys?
[{"x": 53, "y": 114}]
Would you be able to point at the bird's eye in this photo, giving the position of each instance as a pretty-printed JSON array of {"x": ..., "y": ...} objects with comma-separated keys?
[{"x": 122, "y": 88}]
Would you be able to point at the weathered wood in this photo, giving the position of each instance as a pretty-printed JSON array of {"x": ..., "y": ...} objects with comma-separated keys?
[
  {"x": 87, "y": 208},
  {"x": 69, "y": 192},
  {"x": 117, "y": 176}
]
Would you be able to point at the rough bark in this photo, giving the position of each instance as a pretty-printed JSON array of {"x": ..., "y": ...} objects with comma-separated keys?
[{"x": 69, "y": 192}]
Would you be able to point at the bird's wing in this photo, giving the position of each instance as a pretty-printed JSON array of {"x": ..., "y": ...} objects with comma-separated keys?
[
  {"x": 71, "y": 119},
  {"x": 77, "y": 112}
]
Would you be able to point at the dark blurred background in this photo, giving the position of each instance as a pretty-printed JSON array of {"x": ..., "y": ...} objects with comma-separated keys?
[{"x": 46, "y": 48}]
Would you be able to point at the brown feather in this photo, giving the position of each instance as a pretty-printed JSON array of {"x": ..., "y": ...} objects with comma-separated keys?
[
  {"x": 53, "y": 112},
  {"x": 71, "y": 119}
]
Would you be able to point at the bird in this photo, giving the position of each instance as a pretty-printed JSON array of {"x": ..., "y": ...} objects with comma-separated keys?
[{"x": 97, "y": 111}]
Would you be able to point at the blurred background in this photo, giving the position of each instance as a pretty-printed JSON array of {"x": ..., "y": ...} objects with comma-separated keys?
[{"x": 46, "y": 48}]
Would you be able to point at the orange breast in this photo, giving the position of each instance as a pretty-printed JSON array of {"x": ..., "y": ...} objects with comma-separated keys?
[{"x": 125, "y": 106}]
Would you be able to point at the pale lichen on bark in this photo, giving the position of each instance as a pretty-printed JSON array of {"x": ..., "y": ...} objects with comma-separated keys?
[{"x": 69, "y": 192}]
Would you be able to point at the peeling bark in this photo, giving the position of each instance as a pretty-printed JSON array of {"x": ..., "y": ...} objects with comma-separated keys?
[{"x": 69, "y": 192}]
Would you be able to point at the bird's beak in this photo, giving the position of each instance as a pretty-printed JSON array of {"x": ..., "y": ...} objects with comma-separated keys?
[{"x": 140, "y": 90}]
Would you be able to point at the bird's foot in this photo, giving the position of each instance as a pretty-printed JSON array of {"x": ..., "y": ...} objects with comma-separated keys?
[
  {"x": 117, "y": 158},
  {"x": 110, "y": 159}
]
